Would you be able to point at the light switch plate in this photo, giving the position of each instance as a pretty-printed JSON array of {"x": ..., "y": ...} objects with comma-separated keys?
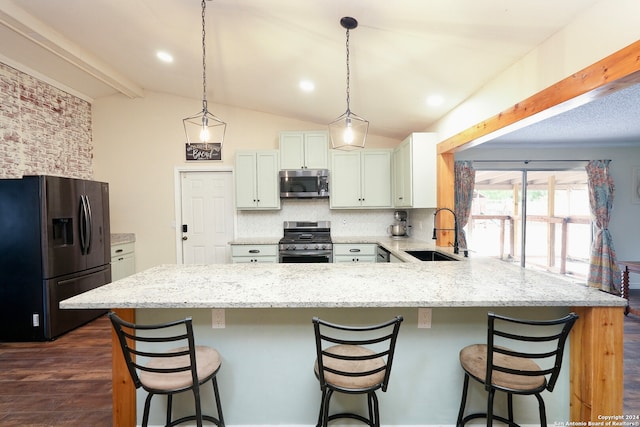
[
  {"x": 424, "y": 318},
  {"x": 217, "y": 318}
]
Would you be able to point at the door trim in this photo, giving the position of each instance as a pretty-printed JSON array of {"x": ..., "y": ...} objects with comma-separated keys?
[{"x": 177, "y": 190}]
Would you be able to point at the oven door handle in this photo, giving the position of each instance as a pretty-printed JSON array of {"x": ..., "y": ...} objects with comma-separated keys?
[{"x": 307, "y": 253}]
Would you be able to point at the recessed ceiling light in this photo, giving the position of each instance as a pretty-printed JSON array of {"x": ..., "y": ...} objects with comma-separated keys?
[
  {"x": 307, "y": 86},
  {"x": 435, "y": 100},
  {"x": 164, "y": 56}
]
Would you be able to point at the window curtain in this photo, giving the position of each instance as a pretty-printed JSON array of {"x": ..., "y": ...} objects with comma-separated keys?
[
  {"x": 464, "y": 179},
  {"x": 604, "y": 272}
]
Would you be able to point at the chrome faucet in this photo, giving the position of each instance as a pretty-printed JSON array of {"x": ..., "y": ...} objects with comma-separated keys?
[{"x": 456, "y": 248}]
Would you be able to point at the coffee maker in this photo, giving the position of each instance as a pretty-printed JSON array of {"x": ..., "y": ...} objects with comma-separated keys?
[{"x": 399, "y": 228}]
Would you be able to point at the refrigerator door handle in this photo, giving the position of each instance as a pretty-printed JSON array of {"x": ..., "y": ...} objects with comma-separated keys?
[
  {"x": 83, "y": 225},
  {"x": 89, "y": 224}
]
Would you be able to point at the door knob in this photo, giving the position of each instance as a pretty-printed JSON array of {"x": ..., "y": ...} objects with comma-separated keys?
[{"x": 185, "y": 238}]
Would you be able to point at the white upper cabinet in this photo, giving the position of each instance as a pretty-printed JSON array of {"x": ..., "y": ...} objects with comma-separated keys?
[
  {"x": 256, "y": 178},
  {"x": 414, "y": 171},
  {"x": 304, "y": 150},
  {"x": 360, "y": 179}
]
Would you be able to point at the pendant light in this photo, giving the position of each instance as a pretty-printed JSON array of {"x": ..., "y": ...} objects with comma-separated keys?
[
  {"x": 349, "y": 131},
  {"x": 204, "y": 127}
]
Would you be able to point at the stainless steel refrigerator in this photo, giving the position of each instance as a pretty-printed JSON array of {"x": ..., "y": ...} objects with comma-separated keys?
[{"x": 54, "y": 244}]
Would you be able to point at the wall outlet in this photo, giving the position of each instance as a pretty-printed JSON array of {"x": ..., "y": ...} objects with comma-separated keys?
[
  {"x": 424, "y": 318},
  {"x": 217, "y": 318}
]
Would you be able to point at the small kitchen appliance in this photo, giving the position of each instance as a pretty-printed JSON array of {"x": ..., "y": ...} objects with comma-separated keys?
[
  {"x": 306, "y": 242},
  {"x": 304, "y": 183},
  {"x": 399, "y": 228}
]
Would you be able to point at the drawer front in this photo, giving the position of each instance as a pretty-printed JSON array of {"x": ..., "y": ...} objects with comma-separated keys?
[
  {"x": 122, "y": 249},
  {"x": 355, "y": 250},
  {"x": 354, "y": 258},
  {"x": 254, "y": 250}
]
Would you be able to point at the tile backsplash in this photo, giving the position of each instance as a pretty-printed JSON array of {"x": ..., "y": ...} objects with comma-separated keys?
[{"x": 344, "y": 222}]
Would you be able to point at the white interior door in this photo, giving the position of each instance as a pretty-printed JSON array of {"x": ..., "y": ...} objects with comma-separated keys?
[{"x": 207, "y": 217}]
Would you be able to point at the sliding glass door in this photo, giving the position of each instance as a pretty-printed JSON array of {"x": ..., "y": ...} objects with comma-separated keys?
[{"x": 556, "y": 232}]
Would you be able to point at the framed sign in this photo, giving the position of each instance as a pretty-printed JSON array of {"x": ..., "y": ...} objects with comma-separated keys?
[{"x": 209, "y": 151}]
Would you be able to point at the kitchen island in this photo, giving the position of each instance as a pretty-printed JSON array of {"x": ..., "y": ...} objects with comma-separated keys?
[{"x": 268, "y": 349}]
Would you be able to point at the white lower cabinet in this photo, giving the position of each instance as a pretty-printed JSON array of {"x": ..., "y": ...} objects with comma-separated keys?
[
  {"x": 346, "y": 252},
  {"x": 254, "y": 253},
  {"x": 123, "y": 260}
]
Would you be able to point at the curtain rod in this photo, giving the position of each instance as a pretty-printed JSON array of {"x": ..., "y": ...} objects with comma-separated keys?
[{"x": 529, "y": 161}]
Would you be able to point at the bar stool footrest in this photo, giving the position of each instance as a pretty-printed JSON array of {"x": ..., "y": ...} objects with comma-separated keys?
[
  {"x": 194, "y": 418},
  {"x": 351, "y": 416},
  {"x": 477, "y": 415}
]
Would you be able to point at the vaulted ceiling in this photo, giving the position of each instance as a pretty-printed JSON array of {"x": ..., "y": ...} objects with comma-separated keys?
[{"x": 401, "y": 54}]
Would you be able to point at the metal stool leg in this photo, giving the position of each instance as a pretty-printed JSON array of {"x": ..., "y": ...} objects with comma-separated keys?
[
  {"x": 510, "y": 407},
  {"x": 216, "y": 394},
  {"x": 543, "y": 412},
  {"x": 145, "y": 415},
  {"x": 169, "y": 406},
  {"x": 492, "y": 394},
  {"x": 463, "y": 401}
]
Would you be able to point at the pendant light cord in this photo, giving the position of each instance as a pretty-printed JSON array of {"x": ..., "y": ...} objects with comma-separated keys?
[
  {"x": 204, "y": 61},
  {"x": 348, "y": 72}
]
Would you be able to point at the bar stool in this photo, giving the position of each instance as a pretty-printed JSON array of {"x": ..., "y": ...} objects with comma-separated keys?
[
  {"x": 504, "y": 364},
  {"x": 354, "y": 360},
  {"x": 180, "y": 369}
]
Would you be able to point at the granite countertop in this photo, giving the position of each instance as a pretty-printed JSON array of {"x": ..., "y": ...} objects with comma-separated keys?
[
  {"x": 121, "y": 238},
  {"x": 472, "y": 282}
]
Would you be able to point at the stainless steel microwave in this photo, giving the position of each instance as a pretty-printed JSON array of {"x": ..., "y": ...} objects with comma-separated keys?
[{"x": 304, "y": 183}]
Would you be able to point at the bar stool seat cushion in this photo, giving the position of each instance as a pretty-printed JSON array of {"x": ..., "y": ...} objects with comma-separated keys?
[
  {"x": 473, "y": 359},
  {"x": 355, "y": 366},
  {"x": 207, "y": 361}
]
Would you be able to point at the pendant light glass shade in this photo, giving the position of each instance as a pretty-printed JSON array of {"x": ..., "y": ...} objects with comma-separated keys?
[
  {"x": 349, "y": 131},
  {"x": 204, "y": 127}
]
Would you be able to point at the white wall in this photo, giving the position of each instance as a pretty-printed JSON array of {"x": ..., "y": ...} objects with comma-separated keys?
[
  {"x": 139, "y": 142},
  {"x": 608, "y": 26}
]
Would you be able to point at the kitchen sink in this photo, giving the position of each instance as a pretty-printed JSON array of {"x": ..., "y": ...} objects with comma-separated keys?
[{"x": 431, "y": 256}]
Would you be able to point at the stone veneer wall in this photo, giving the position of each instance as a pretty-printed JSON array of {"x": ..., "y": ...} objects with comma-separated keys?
[{"x": 43, "y": 130}]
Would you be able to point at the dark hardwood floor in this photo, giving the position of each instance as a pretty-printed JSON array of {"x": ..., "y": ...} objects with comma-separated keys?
[{"x": 67, "y": 382}]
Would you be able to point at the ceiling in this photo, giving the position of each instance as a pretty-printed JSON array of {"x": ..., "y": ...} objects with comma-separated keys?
[{"x": 258, "y": 51}]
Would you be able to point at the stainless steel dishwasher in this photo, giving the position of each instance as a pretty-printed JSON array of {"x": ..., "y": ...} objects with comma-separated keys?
[{"x": 383, "y": 255}]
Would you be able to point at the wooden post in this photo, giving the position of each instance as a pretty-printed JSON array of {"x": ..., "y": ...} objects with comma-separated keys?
[
  {"x": 597, "y": 356},
  {"x": 123, "y": 391},
  {"x": 502, "y": 238},
  {"x": 445, "y": 198},
  {"x": 563, "y": 249},
  {"x": 551, "y": 226}
]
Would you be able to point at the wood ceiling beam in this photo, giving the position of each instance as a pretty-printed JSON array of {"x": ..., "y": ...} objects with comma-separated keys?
[
  {"x": 613, "y": 73},
  {"x": 37, "y": 32}
]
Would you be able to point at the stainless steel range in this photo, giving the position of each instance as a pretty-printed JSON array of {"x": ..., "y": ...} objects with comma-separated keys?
[{"x": 306, "y": 241}]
